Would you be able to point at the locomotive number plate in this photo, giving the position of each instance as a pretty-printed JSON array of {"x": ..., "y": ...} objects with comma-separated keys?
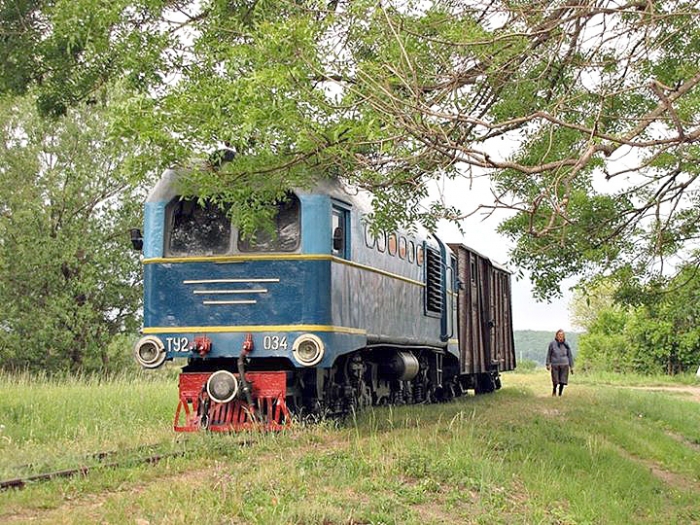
[
  {"x": 177, "y": 344},
  {"x": 182, "y": 344},
  {"x": 275, "y": 342}
]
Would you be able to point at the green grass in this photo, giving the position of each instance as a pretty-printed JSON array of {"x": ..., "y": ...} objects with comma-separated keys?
[
  {"x": 52, "y": 423},
  {"x": 599, "y": 454},
  {"x": 615, "y": 378}
]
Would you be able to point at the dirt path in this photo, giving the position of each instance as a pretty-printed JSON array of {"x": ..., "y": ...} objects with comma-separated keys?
[
  {"x": 692, "y": 392},
  {"x": 673, "y": 479}
]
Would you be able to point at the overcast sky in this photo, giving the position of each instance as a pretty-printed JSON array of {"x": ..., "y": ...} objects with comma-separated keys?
[{"x": 480, "y": 234}]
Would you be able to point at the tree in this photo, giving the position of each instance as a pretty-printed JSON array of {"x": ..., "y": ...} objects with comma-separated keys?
[
  {"x": 588, "y": 302},
  {"x": 652, "y": 332},
  {"x": 663, "y": 333},
  {"x": 583, "y": 114},
  {"x": 69, "y": 281},
  {"x": 605, "y": 346},
  {"x": 71, "y": 49}
]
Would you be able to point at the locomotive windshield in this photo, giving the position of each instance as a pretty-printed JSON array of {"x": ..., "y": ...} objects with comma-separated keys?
[
  {"x": 284, "y": 236},
  {"x": 198, "y": 230}
]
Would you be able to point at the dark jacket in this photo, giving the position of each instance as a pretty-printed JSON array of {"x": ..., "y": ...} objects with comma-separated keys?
[{"x": 559, "y": 354}]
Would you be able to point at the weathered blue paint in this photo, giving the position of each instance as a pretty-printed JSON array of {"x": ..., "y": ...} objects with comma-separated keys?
[
  {"x": 301, "y": 294},
  {"x": 315, "y": 224},
  {"x": 453, "y": 348},
  {"x": 229, "y": 344},
  {"x": 373, "y": 295},
  {"x": 153, "y": 226},
  {"x": 363, "y": 254},
  {"x": 387, "y": 307}
]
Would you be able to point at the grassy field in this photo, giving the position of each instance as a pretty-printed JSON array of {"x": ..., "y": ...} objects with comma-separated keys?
[{"x": 608, "y": 451}]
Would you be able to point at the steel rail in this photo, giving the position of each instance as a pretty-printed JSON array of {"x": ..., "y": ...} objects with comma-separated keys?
[
  {"x": 83, "y": 470},
  {"x": 20, "y": 483}
]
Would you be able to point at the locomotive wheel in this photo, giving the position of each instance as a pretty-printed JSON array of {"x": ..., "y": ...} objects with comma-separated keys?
[{"x": 449, "y": 391}]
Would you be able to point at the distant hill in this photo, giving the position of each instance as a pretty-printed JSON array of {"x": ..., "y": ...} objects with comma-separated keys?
[{"x": 532, "y": 344}]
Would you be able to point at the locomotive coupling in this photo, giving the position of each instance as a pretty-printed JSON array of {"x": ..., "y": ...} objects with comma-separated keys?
[
  {"x": 149, "y": 352},
  {"x": 247, "y": 348},
  {"x": 202, "y": 345}
]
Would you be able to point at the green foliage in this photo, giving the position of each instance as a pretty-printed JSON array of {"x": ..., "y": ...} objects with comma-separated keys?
[
  {"x": 71, "y": 48},
  {"x": 545, "y": 99},
  {"x": 604, "y": 352},
  {"x": 527, "y": 365},
  {"x": 20, "y": 43},
  {"x": 69, "y": 281},
  {"x": 657, "y": 333},
  {"x": 567, "y": 250}
]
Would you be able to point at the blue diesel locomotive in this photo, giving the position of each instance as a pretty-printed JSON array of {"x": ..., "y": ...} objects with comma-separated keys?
[{"x": 318, "y": 317}]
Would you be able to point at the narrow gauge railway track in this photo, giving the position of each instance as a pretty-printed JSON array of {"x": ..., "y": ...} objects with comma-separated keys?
[
  {"x": 101, "y": 461},
  {"x": 83, "y": 470}
]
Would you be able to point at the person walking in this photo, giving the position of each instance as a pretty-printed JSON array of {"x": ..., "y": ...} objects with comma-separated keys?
[{"x": 560, "y": 361}]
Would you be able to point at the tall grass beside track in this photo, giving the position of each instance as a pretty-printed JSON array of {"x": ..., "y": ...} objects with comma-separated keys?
[
  {"x": 599, "y": 454},
  {"x": 53, "y": 423}
]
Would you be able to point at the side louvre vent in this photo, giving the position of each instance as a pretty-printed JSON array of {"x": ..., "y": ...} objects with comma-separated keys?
[{"x": 433, "y": 288}]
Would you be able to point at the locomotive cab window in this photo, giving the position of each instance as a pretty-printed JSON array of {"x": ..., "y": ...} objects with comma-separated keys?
[
  {"x": 339, "y": 232},
  {"x": 197, "y": 230},
  {"x": 283, "y": 235}
]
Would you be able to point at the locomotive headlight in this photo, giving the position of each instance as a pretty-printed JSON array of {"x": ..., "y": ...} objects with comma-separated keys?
[
  {"x": 149, "y": 352},
  {"x": 308, "y": 349},
  {"x": 222, "y": 386}
]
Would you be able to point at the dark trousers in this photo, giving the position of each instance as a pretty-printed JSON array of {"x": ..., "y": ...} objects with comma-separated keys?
[{"x": 560, "y": 374}]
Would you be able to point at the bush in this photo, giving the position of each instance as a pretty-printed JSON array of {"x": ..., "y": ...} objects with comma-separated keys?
[{"x": 527, "y": 365}]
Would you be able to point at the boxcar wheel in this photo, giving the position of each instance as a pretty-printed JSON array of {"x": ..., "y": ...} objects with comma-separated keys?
[{"x": 484, "y": 384}]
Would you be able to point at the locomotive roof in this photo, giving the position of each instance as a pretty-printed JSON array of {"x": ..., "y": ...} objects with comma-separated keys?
[
  {"x": 495, "y": 264},
  {"x": 167, "y": 188}
]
